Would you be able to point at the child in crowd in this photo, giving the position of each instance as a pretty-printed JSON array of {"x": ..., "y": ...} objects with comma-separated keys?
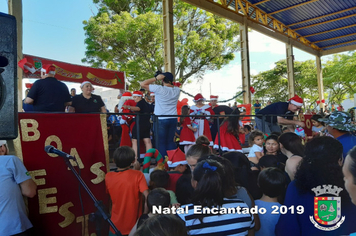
[
  {"x": 195, "y": 152},
  {"x": 158, "y": 197},
  {"x": 177, "y": 165},
  {"x": 187, "y": 138},
  {"x": 256, "y": 140},
  {"x": 209, "y": 193},
  {"x": 247, "y": 129},
  {"x": 203, "y": 111},
  {"x": 125, "y": 187},
  {"x": 317, "y": 125},
  {"x": 231, "y": 137},
  {"x": 202, "y": 140},
  {"x": 162, "y": 225},
  {"x": 272, "y": 182},
  {"x": 160, "y": 179}
]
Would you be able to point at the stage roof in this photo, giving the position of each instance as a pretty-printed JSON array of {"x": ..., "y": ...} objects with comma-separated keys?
[{"x": 320, "y": 27}]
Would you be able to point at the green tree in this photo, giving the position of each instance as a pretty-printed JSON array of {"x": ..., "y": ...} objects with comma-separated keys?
[
  {"x": 339, "y": 76},
  {"x": 127, "y": 35},
  {"x": 273, "y": 84}
]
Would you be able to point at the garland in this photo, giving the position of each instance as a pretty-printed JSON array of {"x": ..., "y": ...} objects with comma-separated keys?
[{"x": 234, "y": 97}]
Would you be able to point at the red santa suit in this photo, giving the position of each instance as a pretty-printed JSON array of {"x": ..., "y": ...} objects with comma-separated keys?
[
  {"x": 201, "y": 121},
  {"x": 228, "y": 142},
  {"x": 126, "y": 122},
  {"x": 187, "y": 135}
]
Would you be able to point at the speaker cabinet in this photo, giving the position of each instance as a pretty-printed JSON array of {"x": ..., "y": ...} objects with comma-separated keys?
[{"x": 8, "y": 77}]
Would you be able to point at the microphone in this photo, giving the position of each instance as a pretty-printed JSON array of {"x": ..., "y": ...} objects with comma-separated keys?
[{"x": 51, "y": 149}]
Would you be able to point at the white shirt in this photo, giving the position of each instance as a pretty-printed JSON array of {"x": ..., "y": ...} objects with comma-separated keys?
[
  {"x": 166, "y": 100},
  {"x": 255, "y": 148}
]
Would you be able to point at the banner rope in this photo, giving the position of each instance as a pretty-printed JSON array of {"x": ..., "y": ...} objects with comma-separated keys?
[{"x": 234, "y": 97}]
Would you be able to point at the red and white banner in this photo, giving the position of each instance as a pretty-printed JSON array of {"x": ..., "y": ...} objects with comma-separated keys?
[
  {"x": 56, "y": 209},
  {"x": 73, "y": 73}
]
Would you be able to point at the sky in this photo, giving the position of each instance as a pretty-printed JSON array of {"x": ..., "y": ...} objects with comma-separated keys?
[{"x": 54, "y": 29}]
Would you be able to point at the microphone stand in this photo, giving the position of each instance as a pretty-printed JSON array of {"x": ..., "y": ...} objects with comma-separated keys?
[{"x": 98, "y": 204}]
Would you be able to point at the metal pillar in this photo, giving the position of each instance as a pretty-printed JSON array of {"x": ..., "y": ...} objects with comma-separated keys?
[
  {"x": 319, "y": 74},
  {"x": 168, "y": 36},
  {"x": 245, "y": 62},
  {"x": 15, "y": 9},
  {"x": 290, "y": 69}
]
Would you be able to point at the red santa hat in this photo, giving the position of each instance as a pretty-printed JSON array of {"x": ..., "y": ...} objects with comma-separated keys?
[
  {"x": 199, "y": 97},
  {"x": 137, "y": 94},
  {"x": 152, "y": 94},
  {"x": 47, "y": 68},
  {"x": 212, "y": 97},
  {"x": 126, "y": 94},
  {"x": 85, "y": 82},
  {"x": 175, "y": 158},
  {"x": 296, "y": 100}
]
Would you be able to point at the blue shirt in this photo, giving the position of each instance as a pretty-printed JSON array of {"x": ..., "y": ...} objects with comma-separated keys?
[
  {"x": 257, "y": 107},
  {"x": 348, "y": 141},
  {"x": 276, "y": 109},
  {"x": 268, "y": 220},
  {"x": 13, "y": 217}
]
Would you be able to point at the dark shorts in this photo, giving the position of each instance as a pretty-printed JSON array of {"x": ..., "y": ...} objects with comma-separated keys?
[{"x": 145, "y": 131}]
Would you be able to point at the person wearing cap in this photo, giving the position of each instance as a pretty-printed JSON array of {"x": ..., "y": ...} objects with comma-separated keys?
[
  {"x": 48, "y": 94},
  {"x": 339, "y": 125},
  {"x": 15, "y": 183},
  {"x": 166, "y": 99},
  {"x": 87, "y": 102},
  {"x": 144, "y": 125},
  {"x": 201, "y": 121},
  {"x": 126, "y": 120},
  {"x": 218, "y": 110},
  {"x": 279, "y": 113},
  {"x": 177, "y": 164}
]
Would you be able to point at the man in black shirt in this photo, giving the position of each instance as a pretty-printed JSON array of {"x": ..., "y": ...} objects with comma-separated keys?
[
  {"x": 48, "y": 94},
  {"x": 279, "y": 113}
]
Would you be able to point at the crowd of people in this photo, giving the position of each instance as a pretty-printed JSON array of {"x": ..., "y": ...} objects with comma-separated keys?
[{"x": 217, "y": 164}]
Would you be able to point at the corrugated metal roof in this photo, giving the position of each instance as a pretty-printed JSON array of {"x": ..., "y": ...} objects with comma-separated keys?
[{"x": 324, "y": 18}]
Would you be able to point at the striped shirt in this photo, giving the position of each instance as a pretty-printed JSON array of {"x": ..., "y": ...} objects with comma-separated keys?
[{"x": 219, "y": 224}]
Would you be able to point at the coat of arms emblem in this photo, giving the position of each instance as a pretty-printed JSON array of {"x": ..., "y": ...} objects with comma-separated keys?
[{"x": 327, "y": 209}]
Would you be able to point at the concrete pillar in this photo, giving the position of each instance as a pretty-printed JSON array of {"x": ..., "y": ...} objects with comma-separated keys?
[
  {"x": 168, "y": 36},
  {"x": 245, "y": 62}
]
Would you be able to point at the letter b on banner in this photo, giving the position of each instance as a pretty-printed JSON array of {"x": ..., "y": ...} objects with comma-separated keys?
[{"x": 8, "y": 77}]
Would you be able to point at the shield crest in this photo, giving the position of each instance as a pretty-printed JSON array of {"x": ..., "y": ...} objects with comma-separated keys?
[{"x": 327, "y": 210}]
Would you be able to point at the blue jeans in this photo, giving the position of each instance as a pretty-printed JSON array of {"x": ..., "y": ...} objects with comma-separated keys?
[{"x": 166, "y": 129}]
